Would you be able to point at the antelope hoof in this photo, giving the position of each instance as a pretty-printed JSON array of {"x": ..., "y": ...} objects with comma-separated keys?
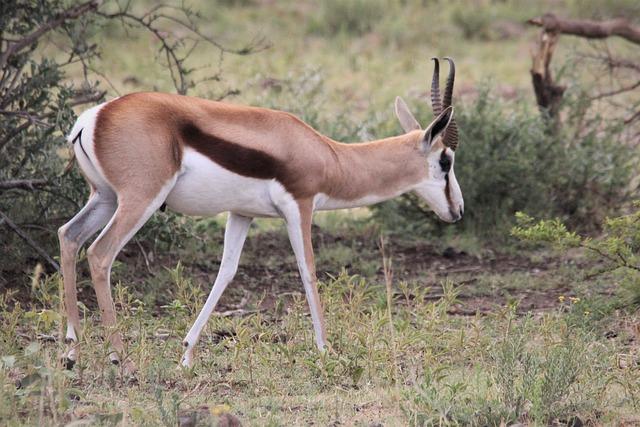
[
  {"x": 68, "y": 363},
  {"x": 114, "y": 358},
  {"x": 69, "y": 359},
  {"x": 187, "y": 359}
]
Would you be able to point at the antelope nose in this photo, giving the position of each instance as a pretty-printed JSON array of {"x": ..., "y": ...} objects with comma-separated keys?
[{"x": 458, "y": 216}]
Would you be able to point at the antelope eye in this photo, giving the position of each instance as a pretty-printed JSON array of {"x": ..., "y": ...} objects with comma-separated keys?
[{"x": 445, "y": 163}]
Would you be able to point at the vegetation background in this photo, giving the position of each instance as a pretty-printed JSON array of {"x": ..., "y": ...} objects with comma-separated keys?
[{"x": 478, "y": 323}]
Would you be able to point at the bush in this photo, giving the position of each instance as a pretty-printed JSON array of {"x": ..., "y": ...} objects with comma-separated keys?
[
  {"x": 508, "y": 161},
  {"x": 473, "y": 22},
  {"x": 526, "y": 374},
  {"x": 617, "y": 250},
  {"x": 40, "y": 101},
  {"x": 355, "y": 17}
]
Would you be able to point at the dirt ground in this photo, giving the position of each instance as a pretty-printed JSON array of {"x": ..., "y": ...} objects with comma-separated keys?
[{"x": 268, "y": 272}]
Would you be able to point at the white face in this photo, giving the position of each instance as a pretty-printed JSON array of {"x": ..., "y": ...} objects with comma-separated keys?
[{"x": 440, "y": 188}]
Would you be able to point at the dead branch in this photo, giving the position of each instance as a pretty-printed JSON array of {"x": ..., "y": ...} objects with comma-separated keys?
[
  {"x": 33, "y": 118},
  {"x": 24, "y": 236},
  {"x": 633, "y": 118},
  {"x": 23, "y": 184},
  {"x": 548, "y": 93},
  {"x": 618, "y": 91},
  {"x": 587, "y": 28},
  {"x": 87, "y": 98}
]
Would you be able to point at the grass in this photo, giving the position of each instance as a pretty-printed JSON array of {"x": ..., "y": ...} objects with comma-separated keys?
[
  {"x": 429, "y": 367},
  {"x": 575, "y": 359}
]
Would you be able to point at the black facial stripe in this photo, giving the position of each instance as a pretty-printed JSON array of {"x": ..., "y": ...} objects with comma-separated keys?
[
  {"x": 447, "y": 189},
  {"x": 445, "y": 162},
  {"x": 447, "y": 194}
]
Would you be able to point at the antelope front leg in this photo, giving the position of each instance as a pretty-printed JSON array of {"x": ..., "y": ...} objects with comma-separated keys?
[
  {"x": 234, "y": 236},
  {"x": 299, "y": 228}
]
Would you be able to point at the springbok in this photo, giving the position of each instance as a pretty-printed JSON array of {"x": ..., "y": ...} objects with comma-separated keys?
[{"x": 200, "y": 157}]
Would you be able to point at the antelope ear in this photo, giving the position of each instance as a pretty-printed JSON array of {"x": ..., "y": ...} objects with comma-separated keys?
[
  {"x": 438, "y": 126},
  {"x": 407, "y": 121}
]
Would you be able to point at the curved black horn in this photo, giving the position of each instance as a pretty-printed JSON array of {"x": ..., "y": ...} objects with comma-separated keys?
[
  {"x": 436, "y": 104},
  {"x": 448, "y": 91},
  {"x": 451, "y": 134}
]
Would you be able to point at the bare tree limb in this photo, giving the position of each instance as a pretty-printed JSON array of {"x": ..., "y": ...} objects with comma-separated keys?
[
  {"x": 616, "y": 91},
  {"x": 587, "y": 28},
  {"x": 26, "y": 115},
  {"x": 87, "y": 98},
  {"x": 24, "y": 184},
  {"x": 548, "y": 93},
  {"x": 634, "y": 117},
  {"x": 24, "y": 236}
]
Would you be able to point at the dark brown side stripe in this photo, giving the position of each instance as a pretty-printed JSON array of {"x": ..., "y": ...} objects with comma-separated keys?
[{"x": 234, "y": 157}]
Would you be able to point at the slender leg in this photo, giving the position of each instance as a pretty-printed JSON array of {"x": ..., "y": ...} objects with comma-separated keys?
[
  {"x": 234, "y": 236},
  {"x": 299, "y": 229},
  {"x": 93, "y": 216},
  {"x": 132, "y": 212}
]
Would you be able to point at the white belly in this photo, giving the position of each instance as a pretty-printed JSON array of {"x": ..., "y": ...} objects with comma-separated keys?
[{"x": 205, "y": 188}]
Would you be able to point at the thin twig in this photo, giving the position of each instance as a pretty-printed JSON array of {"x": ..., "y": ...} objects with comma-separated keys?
[
  {"x": 87, "y": 98},
  {"x": 144, "y": 255},
  {"x": 23, "y": 184},
  {"x": 616, "y": 91},
  {"x": 29, "y": 241}
]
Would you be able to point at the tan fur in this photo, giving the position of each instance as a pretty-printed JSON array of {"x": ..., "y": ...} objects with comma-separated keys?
[
  {"x": 136, "y": 142},
  {"x": 306, "y": 219}
]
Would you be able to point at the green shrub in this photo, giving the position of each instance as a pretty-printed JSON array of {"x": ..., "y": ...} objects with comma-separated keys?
[
  {"x": 508, "y": 161},
  {"x": 617, "y": 250},
  {"x": 548, "y": 380},
  {"x": 473, "y": 22},
  {"x": 354, "y": 17}
]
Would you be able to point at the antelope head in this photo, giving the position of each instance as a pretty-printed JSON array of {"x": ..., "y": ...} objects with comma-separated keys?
[{"x": 437, "y": 145}]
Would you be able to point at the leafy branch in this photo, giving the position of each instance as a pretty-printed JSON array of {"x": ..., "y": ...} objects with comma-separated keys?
[{"x": 618, "y": 248}]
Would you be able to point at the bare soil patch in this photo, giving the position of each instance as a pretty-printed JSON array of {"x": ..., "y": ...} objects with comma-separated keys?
[{"x": 268, "y": 272}]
